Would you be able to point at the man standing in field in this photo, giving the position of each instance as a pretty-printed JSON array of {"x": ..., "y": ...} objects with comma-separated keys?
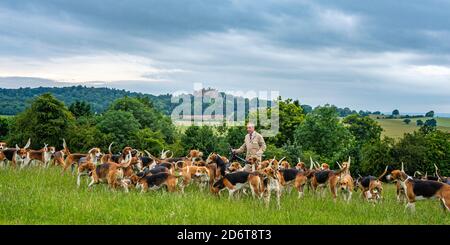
[{"x": 253, "y": 143}]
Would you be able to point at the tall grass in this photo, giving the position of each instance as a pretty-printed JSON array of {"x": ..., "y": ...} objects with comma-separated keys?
[{"x": 43, "y": 196}]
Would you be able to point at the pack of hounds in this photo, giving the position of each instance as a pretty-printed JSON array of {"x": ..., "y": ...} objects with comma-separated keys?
[{"x": 132, "y": 168}]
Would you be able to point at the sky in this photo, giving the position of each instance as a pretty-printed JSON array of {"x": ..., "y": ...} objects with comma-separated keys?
[{"x": 370, "y": 55}]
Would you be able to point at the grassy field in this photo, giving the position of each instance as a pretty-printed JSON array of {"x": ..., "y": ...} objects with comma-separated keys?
[
  {"x": 396, "y": 127},
  {"x": 39, "y": 196}
]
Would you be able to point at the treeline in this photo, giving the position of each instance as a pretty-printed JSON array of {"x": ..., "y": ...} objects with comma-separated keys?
[
  {"x": 320, "y": 134},
  {"x": 12, "y": 101}
]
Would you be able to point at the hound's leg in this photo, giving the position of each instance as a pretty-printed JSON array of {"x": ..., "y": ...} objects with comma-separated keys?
[
  {"x": 231, "y": 194},
  {"x": 349, "y": 197},
  {"x": 278, "y": 199},
  {"x": 253, "y": 190},
  {"x": 78, "y": 179},
  {"x": 92, "y": 183},
  {"x": 124, "y": 185},
  {"x": 67, "y": 163},
  {"x": 266, "y": 197},
  {"x": 445, "y": 206},
  {"x": 411, "y": 206}
]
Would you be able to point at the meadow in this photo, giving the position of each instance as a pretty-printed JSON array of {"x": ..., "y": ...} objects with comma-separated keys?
[
  {"x": 396, "y": 128},
  {"x": 43, "y": 196}
]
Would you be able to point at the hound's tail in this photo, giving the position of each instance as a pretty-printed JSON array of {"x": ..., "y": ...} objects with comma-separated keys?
[
  {"x": 109, "y": 148},
  {"x": 340, "y": 170},
  {"x": 66, "y": 149},
  {"x": 440, "y": 178},
  {"x": 384, "y": 173}
]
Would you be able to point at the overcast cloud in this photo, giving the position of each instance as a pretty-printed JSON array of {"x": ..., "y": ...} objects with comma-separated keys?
[{"x": 375, "y": 55}]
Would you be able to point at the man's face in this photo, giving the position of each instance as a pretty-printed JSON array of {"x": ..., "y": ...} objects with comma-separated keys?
[{"x": 250, "y": 129}]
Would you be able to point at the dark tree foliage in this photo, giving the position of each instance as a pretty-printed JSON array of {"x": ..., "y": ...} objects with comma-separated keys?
[
  {"x": 5, "y": 124},
  {"x": 364, "y": 128},
  {"x": 430, "y": 114},
  {"x": 47, "y": 120},
  {"x": 235, "y": 136},
  {"x": 419, "y": 122},
  {"x": 201, "y": 138},
  {"x": 146, "y": 115},
  {"x": 306, "y": 109},
  {"x": 322, "y": 133},
  {"x": 80, "y": 108},
  {"x": 290, "y": 115},
  {"x": 420, "y": 150},
  {"x": 121, "y": 126},
  {"x": 395, "y": 112},
  {"x": 431, "y": 122},
  {"x": 14, "y": 101},
  {"x": 375, "y": 156}
]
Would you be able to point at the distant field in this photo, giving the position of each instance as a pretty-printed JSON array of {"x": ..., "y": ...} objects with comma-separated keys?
[
  {"x": 43, "y": 196},
  {"x": 396, "y": 127}
]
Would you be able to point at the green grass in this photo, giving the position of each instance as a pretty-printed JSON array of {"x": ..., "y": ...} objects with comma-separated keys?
[
  {"x": 396, "y": 128},
  {"x": 39, "y": 196}
]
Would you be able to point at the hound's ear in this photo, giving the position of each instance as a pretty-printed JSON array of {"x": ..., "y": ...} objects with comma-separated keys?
[
  {"x": 28, "y": 144},
  {"x": 17, "y": 147}
]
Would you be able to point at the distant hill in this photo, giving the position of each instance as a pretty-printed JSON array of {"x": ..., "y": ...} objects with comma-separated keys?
[{"x": 14, "y": 101}]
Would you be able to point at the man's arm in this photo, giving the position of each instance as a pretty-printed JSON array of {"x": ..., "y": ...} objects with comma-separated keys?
[
  {"x": 241, "y": 149},
  {"x": 262, "y": 146}
]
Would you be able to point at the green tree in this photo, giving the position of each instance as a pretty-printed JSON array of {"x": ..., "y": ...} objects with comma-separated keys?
[
  {"x": 47, "y": 120},
  {"x": 411, "y": 150},
  {"x": 290, "y": 115},
  {"x": 306, "y": 109},
  {"x": 150, "y": 140},
  {"x": 146, "y": 115},
  {"x": 202, "y": 138},
  {"x": 431, "y": 122},
  {"x": 5, "y": 124},
  {"x": 429, "y": 114},
  {"x": 363, "y": 128},
  {"x": 80, "y": 108},
  {"x": 407, "y": 120},
  {"x": 438, "y": 152},
  {"x": 293, "y": 151},
  {"x": 429, "y": 126},
  {"x": 274, "y": 151},
  {"x": 419, "y": 122},
  {"x": 375, "y": 156},
  {"x": 395, "y": 112},
  {"x": 322, "y": 133},
  {"x": 235, "y": 136},
  {"x": 85, "y": 136},
  {"x": 420, "y": 150},
  {"x": 121, "y": 126}
]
